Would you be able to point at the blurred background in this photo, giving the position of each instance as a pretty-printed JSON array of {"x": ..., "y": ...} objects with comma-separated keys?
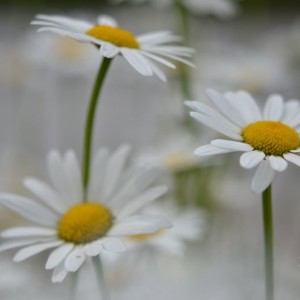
[{"x": 45, "y": 83}]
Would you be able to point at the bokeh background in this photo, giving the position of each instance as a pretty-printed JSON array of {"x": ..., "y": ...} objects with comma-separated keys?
[{"x": 45, "y": 82}]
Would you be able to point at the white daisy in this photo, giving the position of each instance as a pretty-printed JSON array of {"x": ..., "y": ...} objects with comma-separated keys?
[
  {"x": 78, "y": 229},
  {"x": 188, "y": 226},
  {"x": 218, "y": 8},
  {"x": 141, "y": 51},
  {"x": 269, "y": 138},
  {"x": 173, "y": 154}
]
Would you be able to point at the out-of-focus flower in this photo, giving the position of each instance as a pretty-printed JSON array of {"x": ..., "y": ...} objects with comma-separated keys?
[
  {"x": 62, "y": 54},
  {"x": 188, "y": 225},
  {"x": 141, "y": 51},
  {"x": 218, "y": 8},
  {"x": 173, "y": 154},
  {"x": 77, "y": 226},
  {"x": 258, "y": 72},
  {"x": 269, "y": 138}
]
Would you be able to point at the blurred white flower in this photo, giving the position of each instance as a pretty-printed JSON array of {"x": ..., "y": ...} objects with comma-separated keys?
[
  {"x": 76, "y": 227},
  {"x": 218, "y": 8},
  {"x": 139, "y": 51},
  {"x": 62, "y": 55},
  {"x": 269, "y": 138},
  {"x": 174, "y": 153},
  {"x": 258, "y": 72},
  {"x": 188, "y": 225}
]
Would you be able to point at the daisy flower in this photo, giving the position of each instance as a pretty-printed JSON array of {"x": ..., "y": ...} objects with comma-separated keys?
[
  {"x": 218, "y": 8},
  {"x": 269, "y": 138},
  {"x": 142, "y": 52},
  {"x": 173, "y": 154},
  {"x": 75, "y": 229},
  {"x": 188, "y": 226}
]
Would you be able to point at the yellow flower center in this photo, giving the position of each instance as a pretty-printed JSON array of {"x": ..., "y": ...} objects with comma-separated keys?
[
  {"x": 271, "y": 137},
  {"x": 84, "y": 223},
  {"x": 144, "y": 236},
  {"x": 114, "y": 35}
]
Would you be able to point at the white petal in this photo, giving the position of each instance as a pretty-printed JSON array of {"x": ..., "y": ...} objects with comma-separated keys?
[
  {"x": 157, "y": 71},
  {"x": 73, "y": 176},
  {"x": 296, "y": 150},
  {"x": 251, "y": 159},
  {"x": 155, "y": 220},
  {"x": 98, "y": 170},
  {"x": 263, "y": 177},
  {"x": 294, "y": 120},
  {"x": 59, "y": 273},
  {"x": 139, "y": 180},
  {"x": 208, "y": 150},
  {"x": 278, "y": 163},
  {"x": 69, "y": 23},
  {"x": 137, "y": 61},
  {"x": 231, "y": 145},
  {"x": 57, "y": 175},
  {"x": 131, "y": 228},
  {"x": 75, "y": 259},
  {"x": 219, "y": 124},
  {"x": 246, "y": 105},
  {"x": 156, "y": 37},
  {"x": 143, "y": 199},
  {"x": 29, "y": 209},
  {"x": 16, "y": 244},
  {"x": 113, "y": 245},
  {"x": 33, "y": 250},
  {"x": 58, "y": 255},
  {"x": 159, "y": 59},
  {"x": 274, "y": 108},
  {"x": 290, "y": 110},
  {"x": 45, "y": 193},
  {"x": 109, "y": 50},
  {"x": 94, "y": 248},
  {"x": 18, "y": 232},
  {"x": 107, "y": 20},
  {"x": 226, "y": 107},
  {"x": 115, "y": 167},
  {"x": 173, "y": 57},
  {"x": 293, "y": 158}
]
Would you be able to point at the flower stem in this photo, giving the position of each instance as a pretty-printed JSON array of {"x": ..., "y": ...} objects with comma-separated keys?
[
  {"x": 182, "y": 22},
  {"x": 89, "y": 125},
  {"x": 268, "y": 239},
  {"x": 105, "y": 295}
]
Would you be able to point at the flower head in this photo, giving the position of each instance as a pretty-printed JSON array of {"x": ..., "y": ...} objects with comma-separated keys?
[
  {"x": 269, "y": 138},
  {"x": 77, "y": 229},
  {"x": 188, "y": 226},
  {"x": 172, "y": 154},
  {"x": 141, "y": 51}
]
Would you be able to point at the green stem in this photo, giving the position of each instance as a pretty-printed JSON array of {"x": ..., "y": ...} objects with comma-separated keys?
[
  {"x": 185, "y": 76},
  {"x": 268, "y": 239},
  {"x": 89, "y": 125},
  {"x": 104, "y": 290}
]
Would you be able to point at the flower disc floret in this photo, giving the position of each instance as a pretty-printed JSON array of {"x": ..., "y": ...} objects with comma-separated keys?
[
  {"x": 114, "y": 35},
  {"x": 84, "y": 223},
  {"x": 271, "y": 137}
]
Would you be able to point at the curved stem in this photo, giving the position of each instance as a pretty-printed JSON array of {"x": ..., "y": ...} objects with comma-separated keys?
[
  {"x": 268, "y": 239},
  {"x": 104, "y": 290},
  {"x": 89, "y": 125}
]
